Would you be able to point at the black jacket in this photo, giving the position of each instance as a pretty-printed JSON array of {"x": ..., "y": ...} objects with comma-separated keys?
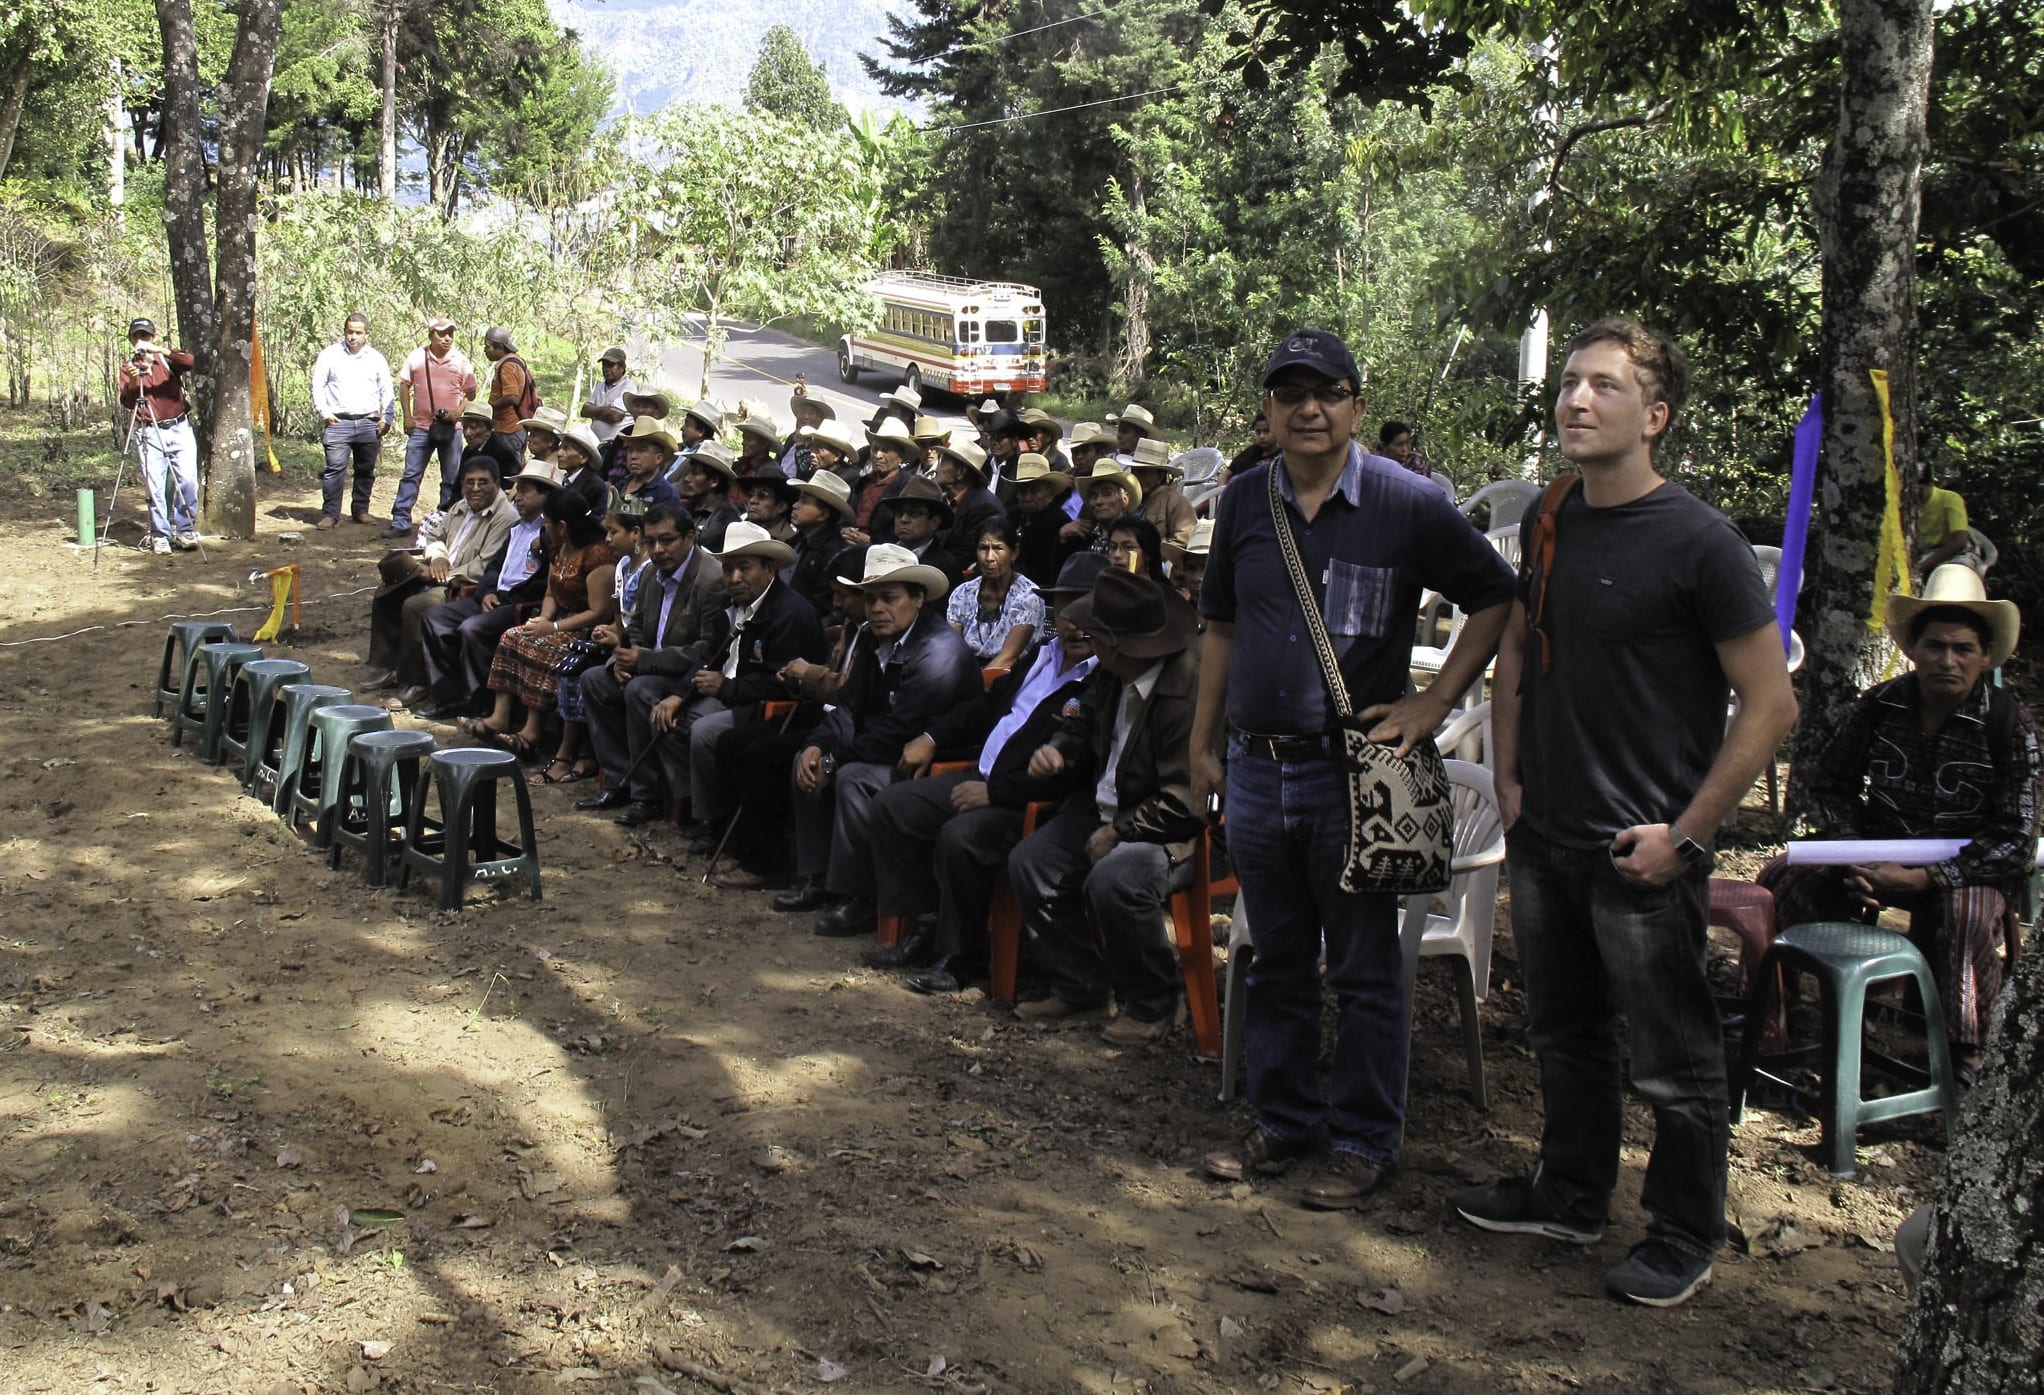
[
  {"x": 1153, "y": 782},
  {"x": 676, "y": 650},
  {"x": 594, "y": 491},
  {"x": 1040, "y": 552},
  {"x": 967, "y": 726},
  {"x": 530, "y": 591},
  {"x": 784, "y": 627},
  {"x": 815, "y": 571},
  {"x": 978, "y": 508},
  {"x": 882, "y": 707},
  {"x": 711, "y": 523}
]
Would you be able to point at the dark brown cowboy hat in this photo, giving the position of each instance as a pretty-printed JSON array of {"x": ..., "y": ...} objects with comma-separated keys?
[
  {"x": 397, "y": 570},
  {"x": 1137, "y": 617},
  {"x": 922, "y": 490}
]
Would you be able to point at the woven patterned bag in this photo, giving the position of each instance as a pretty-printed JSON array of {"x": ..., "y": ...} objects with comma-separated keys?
[{"x": 1401, "y": 821}]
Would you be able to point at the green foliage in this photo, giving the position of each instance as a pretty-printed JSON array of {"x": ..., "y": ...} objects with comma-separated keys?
[{"x": 785, "y": 82}]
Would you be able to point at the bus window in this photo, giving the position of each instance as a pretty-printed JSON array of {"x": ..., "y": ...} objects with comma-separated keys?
[
  {"x": 1032, "y": 330},
  {"x": 1001, "y": 332},
  {"x": 968, "y": 331}
]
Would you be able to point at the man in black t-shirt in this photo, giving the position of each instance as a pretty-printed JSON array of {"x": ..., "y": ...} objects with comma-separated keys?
[{"x": 1614, "y": 770}]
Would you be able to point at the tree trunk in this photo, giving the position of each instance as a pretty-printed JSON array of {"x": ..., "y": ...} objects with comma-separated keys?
[
  {"x": 386, "y": 158},
  {"x": 116, "y": 143},
  {"x": 1134, "y": 364},
  {"x": 184, "y": 190},
  {"x": 1977, "y": 1322},
  {"x": 244, "y": 102},
  {"x": 12, "y": 99},
  {"x": 1866, "y": 204}
]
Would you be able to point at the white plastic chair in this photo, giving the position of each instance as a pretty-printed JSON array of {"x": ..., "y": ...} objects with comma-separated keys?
[
  {"x": 1769, "y": 559},
  {"x": 1466, "y": 735},
  {"x": 1506, "y": 541},
  {"x": 1508, "y": 500},
  {"x": 1460, "y": 929}
]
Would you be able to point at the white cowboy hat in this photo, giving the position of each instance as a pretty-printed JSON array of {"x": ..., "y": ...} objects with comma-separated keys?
[
  {"x": 1152, "y": 454},
  {"x": 1202, "y": 540},
  {"x": 1090, "y": 433},
  {"x": 834, "y": 434},
  {"x": 1030, "y": 467},
  {"x": 709, "y": 414},
  {"x": 906, "y": 398},
  {"x": 763, "y": 426},
  {"x": 546, "y": 419},
  {"x": 887, "y": 562},
  {"x": 539, "y": 472},
  {"x": 895, "y": 432},
  {"x": 1136, "y": 416},
  {"x": 714, "y": 457},
  {"x": 801, "y": 400},
  {"x": 830, "y": 490},
  {"x": 966, "y": 454},
  {"x": 583, "y": 437},
  {"x": 745, "y": 539},
  {"x": 1106, "y": 468},
  {"x": 1957, "y": 585}
]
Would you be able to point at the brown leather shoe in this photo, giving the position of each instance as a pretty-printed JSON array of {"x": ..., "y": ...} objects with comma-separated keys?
[
  {"x": 1343, "y": 1184},
  {"x": 326, "y": 523},
  {"x": 738, "y": 879},
  {"x": 1050, "y": 1009},
  {"x": 361, "y": 518},
  {"x": 1259, "y": 1152}
]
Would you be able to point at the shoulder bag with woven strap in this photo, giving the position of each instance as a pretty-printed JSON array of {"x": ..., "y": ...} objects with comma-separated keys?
[{"x": 1401, "y": 819}]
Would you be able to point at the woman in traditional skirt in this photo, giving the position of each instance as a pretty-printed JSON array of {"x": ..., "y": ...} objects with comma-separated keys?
[
  {"x": 624, "y": 529},
  {"x": 531, "y": 658}
]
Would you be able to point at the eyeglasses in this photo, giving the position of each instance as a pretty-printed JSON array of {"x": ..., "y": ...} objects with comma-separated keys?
[{"x": 1327, "y": 394}]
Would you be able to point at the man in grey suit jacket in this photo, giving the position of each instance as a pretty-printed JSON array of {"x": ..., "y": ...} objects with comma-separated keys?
[{"x": 660, "y": 646}]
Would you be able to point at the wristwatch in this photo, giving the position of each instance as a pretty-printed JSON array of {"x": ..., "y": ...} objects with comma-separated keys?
[{"x": 1692, "y": 851}]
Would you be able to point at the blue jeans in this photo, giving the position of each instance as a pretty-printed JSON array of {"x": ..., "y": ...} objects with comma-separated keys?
[
  {"x": 417, "y": 449},
  {"x": 169, "y": 457},
  {"x": 347, "y": 441},
  {"x": 1287, "y": 827},
  {"x": 1592, "y": 945}
]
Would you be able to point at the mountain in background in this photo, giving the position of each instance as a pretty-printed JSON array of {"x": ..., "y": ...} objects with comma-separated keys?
[{"x": 665, "y": 51}]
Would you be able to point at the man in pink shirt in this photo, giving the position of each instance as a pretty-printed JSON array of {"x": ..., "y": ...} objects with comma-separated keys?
[{"x": 433, "y": 387}]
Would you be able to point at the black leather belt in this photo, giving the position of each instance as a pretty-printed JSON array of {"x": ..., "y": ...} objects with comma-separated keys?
[
  {"x": 169, "y": 421},
  {"x": 1286, "y": 747},
  {"x": 354, "y": 416}
]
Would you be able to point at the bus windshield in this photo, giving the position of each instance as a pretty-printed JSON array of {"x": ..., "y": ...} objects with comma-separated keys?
[{"x": 1002, "y": 332}]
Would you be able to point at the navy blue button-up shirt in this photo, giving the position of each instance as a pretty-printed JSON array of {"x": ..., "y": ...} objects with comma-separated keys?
[{"x": 1382, "y": 537}]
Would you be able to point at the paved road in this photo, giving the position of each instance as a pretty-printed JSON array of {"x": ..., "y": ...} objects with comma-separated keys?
[{"x": 760, "y": 365}]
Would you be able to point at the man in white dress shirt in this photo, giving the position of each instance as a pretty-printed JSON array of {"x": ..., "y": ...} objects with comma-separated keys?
[
  {"x": 352, "y": 390},
  {"x": 605, "y": 407}
]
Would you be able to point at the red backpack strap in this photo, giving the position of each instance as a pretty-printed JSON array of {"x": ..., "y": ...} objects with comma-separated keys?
[{"x": 1537, "y": 563}]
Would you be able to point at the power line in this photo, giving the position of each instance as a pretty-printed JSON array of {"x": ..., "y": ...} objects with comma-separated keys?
[
  {"x": 1078, "y": 106},
  {"x": 1054, "y": 24}
]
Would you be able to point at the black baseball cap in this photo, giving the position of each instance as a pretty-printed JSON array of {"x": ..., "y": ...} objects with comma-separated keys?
[
  {"x": 142, "y": 325},
  {"x": 1316, "y": 349}
]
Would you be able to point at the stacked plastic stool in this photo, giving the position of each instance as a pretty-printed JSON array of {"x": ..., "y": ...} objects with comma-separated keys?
[
  {"x": 245, "y": 726},
  {"x": 284, "y": 743},
  {"x": 379, "y": 771},
  {"x": 463, "y": 844},
  {"x": 1847, "y": 958},
  {"x": 316, "y": 784},
  {"x": 180, "y": 653},
  {"x": 202, "y": 708}
]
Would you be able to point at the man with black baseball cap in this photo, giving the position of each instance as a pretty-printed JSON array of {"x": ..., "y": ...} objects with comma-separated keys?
[
  {"x": 152, "y": 387},
  {"x": 1368, "y": 536}
]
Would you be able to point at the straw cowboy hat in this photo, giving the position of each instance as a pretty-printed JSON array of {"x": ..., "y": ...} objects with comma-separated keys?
[
  {"x": 906, "y": 398},
  {"x": 1041, "y": 423},
  {"x": 651, "y": 429},
  {"x": 887, "y": 562},
  {"x": 744, "y": 539},
  {"x": 966, "y": 454},
  {"x": 1105, "y": 468},
  {"x": 478, "y": 411},
  {"x": 1139, "y": 618},
  {"x": 803, "y": 399},
  {"x": 894, "y": 432},
  {"x": 1959, "y": 586},
  {"x": 830, "y": 491},
  {"x": 929, "y": 431},
  {"x": 1202, "y": 540},
  {"x": 1029, "y": 467},
  {"x": 835, "y": 434},
  {"x": 1152, "y": 454},
  {"x": 714, "y": 457},
  {"x": 659, "y": 405},
  {"x": 584, "y": 438},
  {"x": 1091, "y": 433},
  {"x": 1133, "y": 415},
  {"x": 540, "y": 473},
  {"x": 708, "y": 413},
  {"x": 763, "y": 426},
  {"x": 546, "y": 419}
]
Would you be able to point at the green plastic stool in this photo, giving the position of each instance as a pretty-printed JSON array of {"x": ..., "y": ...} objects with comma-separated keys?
[
  {"x": 245, "y": 728},
  {"x": 1847, "y": 958},
  {"x": 180, "y": 652},
  {"x": 378, "y": 779},
  {"x": 286, "y": 739},
  {"x": 317, "y": 790},
  {"x": 202, "y": 707},
  {"x": 463, "y": 845}
]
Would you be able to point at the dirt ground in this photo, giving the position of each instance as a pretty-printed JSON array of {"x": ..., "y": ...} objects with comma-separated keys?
[{"x": 265, "y": 1130}]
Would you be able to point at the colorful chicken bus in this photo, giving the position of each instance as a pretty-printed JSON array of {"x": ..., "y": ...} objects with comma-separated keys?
[{"x": 968, "y": 337}]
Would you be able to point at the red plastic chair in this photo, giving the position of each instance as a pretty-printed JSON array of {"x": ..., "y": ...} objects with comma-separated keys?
[{"x": 1747, "y": 911}]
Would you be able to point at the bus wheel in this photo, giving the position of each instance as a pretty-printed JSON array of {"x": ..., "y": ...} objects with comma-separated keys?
[
  {"x": 845, "y": 371},
  {"x": 913, "y": 380}
]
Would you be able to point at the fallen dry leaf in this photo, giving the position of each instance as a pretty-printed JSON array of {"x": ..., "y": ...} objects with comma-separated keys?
[
  {"x": 749, "y": 1243},
  {"x": 828, "y": 1370},
  {"x": 375, "y": 1351}
]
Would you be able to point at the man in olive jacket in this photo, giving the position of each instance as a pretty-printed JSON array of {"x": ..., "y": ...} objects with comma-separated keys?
[
  {"x": 1123, "y": 844},
  {"x": 659, "y": 646}
]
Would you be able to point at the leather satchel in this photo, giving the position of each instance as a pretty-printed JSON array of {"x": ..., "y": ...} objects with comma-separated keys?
[{"x": 1401, "y": 816}]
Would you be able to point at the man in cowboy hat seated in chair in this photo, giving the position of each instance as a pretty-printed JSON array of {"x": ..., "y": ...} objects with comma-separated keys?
[
  {"x": 1941, "y": 752},
  {"x": 913, "y": 668}
]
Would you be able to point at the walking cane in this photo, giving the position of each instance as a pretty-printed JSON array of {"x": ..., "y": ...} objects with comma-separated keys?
[{"x": 739, "y": 812}]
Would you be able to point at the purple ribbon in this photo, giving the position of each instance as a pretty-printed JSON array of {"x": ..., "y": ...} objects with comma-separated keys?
[{"x": 1795, "y": 531}]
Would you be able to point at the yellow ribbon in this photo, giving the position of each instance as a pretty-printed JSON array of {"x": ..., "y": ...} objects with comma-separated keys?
[
  {"x": 1891, "y": 573},
  {"x": 283, "y": 587}
]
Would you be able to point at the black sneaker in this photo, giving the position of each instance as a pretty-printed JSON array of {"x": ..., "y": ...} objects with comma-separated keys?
[
  {"x": 1512, "y": 1207},
  {"x": 1657, "y": 1274}
]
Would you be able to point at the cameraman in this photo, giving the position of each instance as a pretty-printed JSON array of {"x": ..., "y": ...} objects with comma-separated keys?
[
  {"x": 434, "y": 385},
  {"x": 153, "y": 377}
]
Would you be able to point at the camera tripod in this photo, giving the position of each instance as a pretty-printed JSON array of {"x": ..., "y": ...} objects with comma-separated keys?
[{"x": 131, "y": 444}]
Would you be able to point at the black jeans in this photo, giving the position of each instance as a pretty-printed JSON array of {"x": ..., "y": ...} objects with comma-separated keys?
[{"x": 1592, "y": 945}]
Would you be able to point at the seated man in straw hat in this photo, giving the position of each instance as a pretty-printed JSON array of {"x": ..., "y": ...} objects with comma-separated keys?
[
  {"x": 705, "y": 481},
  {"x": 914, "y": 668},
  {"x": 960, "y": 471},
  {"x": 648, "y": 450},
  {"x": 543, "y": 433},
  {"x": 457, "y": 551},
  {"x": 1042, "y": 496},
  {"x": 769, "y": 497},
  {"x": 1164, "y": 503},
  {"x": 823, "y": 504},
  {"x": 1133, "y": 425},
  {"x": 1110, "y": 492},
  {"x": 810, "y": 412},
  {"x": 1941, "y": 752}
]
